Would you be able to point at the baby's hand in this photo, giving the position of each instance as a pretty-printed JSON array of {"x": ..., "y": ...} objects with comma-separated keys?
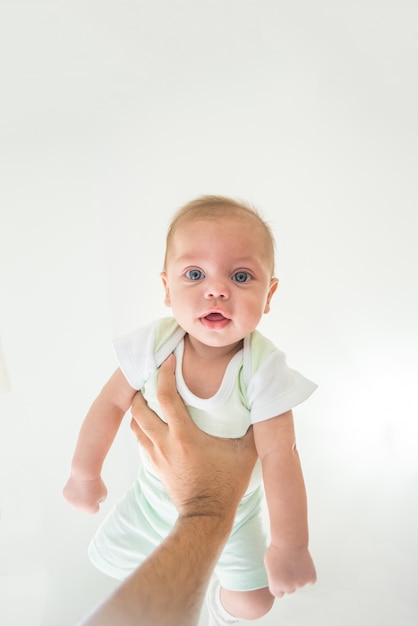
[
  {"x": 288, "y": 569},
  {"x": 85, "y": 495}
]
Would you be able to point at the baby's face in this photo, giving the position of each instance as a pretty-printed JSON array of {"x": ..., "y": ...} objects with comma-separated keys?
[{"x": 218, "y": 279}]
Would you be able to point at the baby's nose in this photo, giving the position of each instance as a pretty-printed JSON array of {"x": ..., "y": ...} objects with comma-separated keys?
[{"x": 217, "y": 289}]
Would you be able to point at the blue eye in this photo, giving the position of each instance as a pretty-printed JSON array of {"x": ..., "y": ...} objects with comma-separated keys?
[
  {"x": 194, "y": 274},
  {"x": 241, "y": 277}
]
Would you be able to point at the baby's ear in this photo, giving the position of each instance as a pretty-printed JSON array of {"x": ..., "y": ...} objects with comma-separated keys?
[
  {"x": 274, "y": 283},
  {"x": 167, "y": 299}
]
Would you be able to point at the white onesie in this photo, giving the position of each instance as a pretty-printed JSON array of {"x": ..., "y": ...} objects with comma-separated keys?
[{"x": 257, "y": 385}]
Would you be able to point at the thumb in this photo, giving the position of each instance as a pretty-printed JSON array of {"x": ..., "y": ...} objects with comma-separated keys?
[
  {"x": 171, "y": 404},
  {"x": 166, "y": 386}
]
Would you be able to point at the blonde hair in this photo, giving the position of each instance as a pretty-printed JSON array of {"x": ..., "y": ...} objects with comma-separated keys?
[{"x": 215, "y": 207}]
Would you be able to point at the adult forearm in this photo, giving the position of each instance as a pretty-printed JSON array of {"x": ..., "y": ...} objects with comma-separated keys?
[
  {"x": 169, "y": 587},
  {"x": 206, "y": 478}
]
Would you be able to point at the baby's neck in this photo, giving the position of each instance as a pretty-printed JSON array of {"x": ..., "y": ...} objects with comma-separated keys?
[
  {"x": 204, "y": 366},
  {"x": 203, "y": 352}
]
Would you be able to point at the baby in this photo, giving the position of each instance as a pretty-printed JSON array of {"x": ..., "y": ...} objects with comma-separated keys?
[{"x": 218, "y": 279}]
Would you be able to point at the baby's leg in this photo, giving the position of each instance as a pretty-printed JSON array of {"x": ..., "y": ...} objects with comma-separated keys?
[{"x": 226, "y": 606}]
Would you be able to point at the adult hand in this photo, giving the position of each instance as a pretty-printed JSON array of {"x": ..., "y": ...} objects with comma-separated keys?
[
  {"x": 206, "y": 478},
  {"x": 204, "y": 475}
]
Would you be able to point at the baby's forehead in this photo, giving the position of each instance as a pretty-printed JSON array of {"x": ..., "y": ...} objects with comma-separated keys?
[
  {"x": 228, "y": 227},
  {"x": 243, "y": 220},
  {"x": 216, "y": 210},
  {"x": 190, "y": 233}
]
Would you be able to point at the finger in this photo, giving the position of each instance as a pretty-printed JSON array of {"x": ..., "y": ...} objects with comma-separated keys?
[
  {"x": 142, "y": 438},
  {"x": 146, "y": 419},
  {"x": 167, "y": 378},
  {"x": 137, "y": 431},
  {"x": 171, "y": 403},
  {"x": 138, "y": 403}
]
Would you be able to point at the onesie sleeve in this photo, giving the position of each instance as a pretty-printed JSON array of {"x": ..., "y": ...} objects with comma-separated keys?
[
  {"x": 141, "y": 352},
  {"x": 276, "y": 388},
  {"x": 135, "y": 355}
]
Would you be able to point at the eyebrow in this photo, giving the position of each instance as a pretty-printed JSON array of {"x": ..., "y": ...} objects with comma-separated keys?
[{"x": 242, "y": 261}]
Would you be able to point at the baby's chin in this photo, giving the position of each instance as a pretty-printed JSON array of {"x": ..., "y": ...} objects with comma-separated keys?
[{"x": 215, "y": 338}]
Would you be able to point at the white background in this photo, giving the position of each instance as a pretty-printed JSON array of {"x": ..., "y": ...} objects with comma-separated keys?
[{"x": 113, "y": 114}]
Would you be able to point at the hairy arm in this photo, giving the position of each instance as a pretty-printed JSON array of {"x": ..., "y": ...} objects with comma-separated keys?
[
  {"x": 169, "y": 587},
  {"x": 288, "y": 562},
  {"x": 85, "y": 488}
]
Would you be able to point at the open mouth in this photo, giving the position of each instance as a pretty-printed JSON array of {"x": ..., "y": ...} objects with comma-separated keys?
[
  {"x": 215, "y": 317},
  {"x": 215, "y": 321}
]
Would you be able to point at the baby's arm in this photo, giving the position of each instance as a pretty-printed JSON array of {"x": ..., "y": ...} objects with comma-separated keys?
[
  {"x": 288, "y": 562},
  {"x": 85, "y": 488}
]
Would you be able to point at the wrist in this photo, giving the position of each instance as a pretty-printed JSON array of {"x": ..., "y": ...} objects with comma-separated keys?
[
  {"x": 295, "y": 539},
  {"x": 221, "y": 523},
  {"x": 83, "y": 474},
  {"x": 288, "y": 546},
  {"x": 219, "y": 508},
  {"x": 213, "y": 531}
]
